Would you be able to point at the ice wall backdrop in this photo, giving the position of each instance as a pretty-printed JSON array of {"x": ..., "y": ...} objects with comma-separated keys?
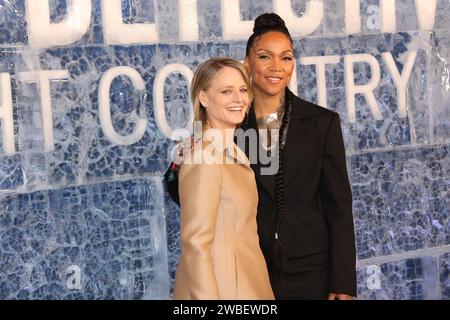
[{"x": 90, "y": 91}]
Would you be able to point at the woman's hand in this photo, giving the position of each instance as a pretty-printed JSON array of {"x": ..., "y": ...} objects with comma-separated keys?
[{"x": 339, "y": 296}]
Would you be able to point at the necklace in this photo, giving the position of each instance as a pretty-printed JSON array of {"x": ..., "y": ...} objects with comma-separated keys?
[{"x": 268, "y": 123}]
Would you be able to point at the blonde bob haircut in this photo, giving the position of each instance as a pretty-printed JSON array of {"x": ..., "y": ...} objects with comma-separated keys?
[{"x": 205, "y": 74}]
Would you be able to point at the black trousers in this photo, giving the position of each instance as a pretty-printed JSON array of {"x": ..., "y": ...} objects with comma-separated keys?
[{"x": 304, "y": 278}]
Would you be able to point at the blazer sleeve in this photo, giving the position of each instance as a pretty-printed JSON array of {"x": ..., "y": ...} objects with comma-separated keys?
[
  {"x": 200, "y": 187},
  {"x": 171, "y": 180},
  {"x": 337, "y": 199},
  {"x": 171, "y": 174}
]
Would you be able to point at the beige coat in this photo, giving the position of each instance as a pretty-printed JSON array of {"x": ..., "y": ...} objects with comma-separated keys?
[{"x": 220, "y": 253}]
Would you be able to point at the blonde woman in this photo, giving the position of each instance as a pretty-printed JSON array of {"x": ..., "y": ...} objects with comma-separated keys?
[{"x": 220, "y": 253}]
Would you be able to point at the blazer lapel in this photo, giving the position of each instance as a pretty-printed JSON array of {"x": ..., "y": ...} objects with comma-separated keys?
[
  {"x": 300, "y": 137},
  {"x": 299, "y": 145}
]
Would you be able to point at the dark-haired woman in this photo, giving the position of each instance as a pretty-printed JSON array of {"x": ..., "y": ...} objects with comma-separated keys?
[{"x": 305, "y": 221}]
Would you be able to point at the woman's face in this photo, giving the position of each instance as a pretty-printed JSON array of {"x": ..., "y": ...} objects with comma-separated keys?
[
  {"x": 226, "y": 100},
  {"x": 271, "y": 63}
]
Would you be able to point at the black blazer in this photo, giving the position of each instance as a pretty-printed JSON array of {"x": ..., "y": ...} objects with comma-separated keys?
[
  {"x": 318, "y": 216},
  {"x": 317, "y": 195}
]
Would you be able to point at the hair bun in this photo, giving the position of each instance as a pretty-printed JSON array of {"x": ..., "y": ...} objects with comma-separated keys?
[{"x": 268, "y": 21}]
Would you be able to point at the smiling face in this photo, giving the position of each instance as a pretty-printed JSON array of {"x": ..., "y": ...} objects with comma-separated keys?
[
  {"x": 271, "y": 63},
  {"x": 226, "y": 100}
]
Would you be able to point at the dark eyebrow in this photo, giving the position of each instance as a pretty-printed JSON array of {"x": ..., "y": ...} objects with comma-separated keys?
[{"x": 266, "y": 50}]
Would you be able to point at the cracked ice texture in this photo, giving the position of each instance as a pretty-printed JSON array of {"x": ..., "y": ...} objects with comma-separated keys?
[
  {"x": 401, "y": 200},
  {"x": 13, "y": 27},
  {"x": 444, "y": 276},
  {"x": 410, "y": 279},
  {"x": 103, "y": 207},
  {"x": 113, "y": 232}
]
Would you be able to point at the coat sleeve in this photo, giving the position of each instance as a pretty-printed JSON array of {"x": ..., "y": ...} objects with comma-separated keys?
[
  {"x": 337, "y": 199},
  {"x": 200, "y": 187}
]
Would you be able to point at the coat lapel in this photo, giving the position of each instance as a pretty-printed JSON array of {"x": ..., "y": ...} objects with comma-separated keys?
[{"x": 238, "y": 155}]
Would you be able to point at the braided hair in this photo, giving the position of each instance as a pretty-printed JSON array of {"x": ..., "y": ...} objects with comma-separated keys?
[
  {"x": 278, "y": 253},
  {"x": 264, "y": 23},
  {"x": 277, "y": 259}
]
